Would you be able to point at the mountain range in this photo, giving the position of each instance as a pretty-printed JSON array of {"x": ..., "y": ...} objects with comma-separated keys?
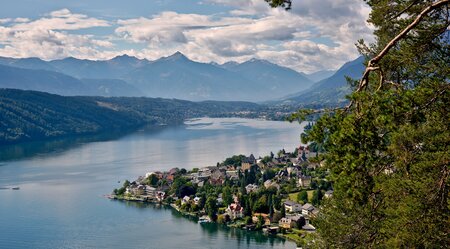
[
  {"x": 175, "y": 76},
  {"x": 330, "y": 91}
]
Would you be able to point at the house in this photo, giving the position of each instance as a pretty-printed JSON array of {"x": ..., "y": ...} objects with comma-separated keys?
[
  {"x": 308, "y": 227},
  {"x": 292, "y": 206},
  {"x": 261, "y": 165},
  {"x": 292, "y": 171},
  {"x": 251, "y": 159},
  {"x": 200, "y": 176},
  {"x": 160, "y": 195},
  {"x": 298, "y": 220},
  {"x": 247, "y": 162},
  {"x": 286, "y": 223},
  {"x": 251, "y": 188},
  {"x": 266, "y": 218},
  {"x": 313, "y": 166},
  {"x": 217, "y": 177},
  {"x": 232, "y": 175},
  {"x": 135, "y": 189},
  {"x": 269, "y": 183},
  {"x": 173, "y": 171},
  {"x": 185, "y": 200},
  {"x": 150, "y": 191},
  {"x": 304, "y": 153},
  {"x": 235, "y": 211},
  {"x": 304, "y": 181},
  {"x": 196, "y": 200},
  {"x": 245, "y": 166},
  {"x": 309, "y": 209},
  {"x": 157, "y": 173},
  {"x": 328, "y": 194},
  {"x": 294, "y": 161}
]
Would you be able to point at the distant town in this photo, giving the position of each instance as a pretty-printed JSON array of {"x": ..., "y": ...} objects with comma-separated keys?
[{"x": 278, "y": 194}]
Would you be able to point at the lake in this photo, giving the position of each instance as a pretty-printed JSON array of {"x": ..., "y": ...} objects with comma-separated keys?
[{"x": 60, "y": 203}]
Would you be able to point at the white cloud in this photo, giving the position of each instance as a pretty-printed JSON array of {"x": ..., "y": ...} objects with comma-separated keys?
[
  {"x": 310, "y": 37},
  {"x": 168, "y": 27},
  {"x": 5, "y": 20},
  {"x": 48, "y": 37},
  {"x": 326, "y": 31},
  {"x": 63, "y": 20},
  {"x": 21, "y": 19}
]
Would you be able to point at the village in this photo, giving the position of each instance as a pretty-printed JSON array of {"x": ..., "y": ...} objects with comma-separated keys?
[{"x": 278, "y": 194}]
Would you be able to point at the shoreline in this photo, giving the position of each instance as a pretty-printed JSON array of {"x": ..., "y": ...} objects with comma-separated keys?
[{"x": 193, "y": 215}]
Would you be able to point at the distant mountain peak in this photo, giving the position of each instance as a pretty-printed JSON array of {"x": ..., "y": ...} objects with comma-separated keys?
[
  {"x": 254, "y": 60},
  {"x": 176, "y": 56},
  {"x": 125, "y": 57}
]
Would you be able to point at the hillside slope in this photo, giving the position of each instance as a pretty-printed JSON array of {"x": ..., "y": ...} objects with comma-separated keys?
[
  {"x": 31, "y": 115},
  {"x": 330, "y": 91}
]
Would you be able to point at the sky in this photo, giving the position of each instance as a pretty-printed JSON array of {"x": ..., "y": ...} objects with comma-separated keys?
[{"x": 314, "y": 35}]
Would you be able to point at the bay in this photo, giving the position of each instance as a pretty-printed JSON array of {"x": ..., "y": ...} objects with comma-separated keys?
[{"x": 60, "y": 203}]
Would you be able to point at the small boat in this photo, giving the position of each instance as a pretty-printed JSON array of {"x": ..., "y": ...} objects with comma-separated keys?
[
  {"x": 203, "y": 220},
  {"x": 15, "y": 188}
]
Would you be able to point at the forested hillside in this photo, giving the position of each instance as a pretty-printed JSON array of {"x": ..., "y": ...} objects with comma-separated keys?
[{"x": 30, "y": 115}]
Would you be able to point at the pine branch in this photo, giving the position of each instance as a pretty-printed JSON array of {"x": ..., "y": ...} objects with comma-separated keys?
[{"x": 371, "y": 65}]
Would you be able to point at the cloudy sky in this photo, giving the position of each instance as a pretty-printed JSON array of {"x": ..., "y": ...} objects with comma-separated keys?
[{"x": 314, "y": 35}]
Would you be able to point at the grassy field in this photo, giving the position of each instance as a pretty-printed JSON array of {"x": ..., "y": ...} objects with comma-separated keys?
[
  {"x": 293, "y": 196},
  {"x": 300, "y": 237}
]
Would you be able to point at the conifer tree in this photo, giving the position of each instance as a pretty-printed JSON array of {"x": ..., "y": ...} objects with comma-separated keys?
[{"x": 388, "y": 151}]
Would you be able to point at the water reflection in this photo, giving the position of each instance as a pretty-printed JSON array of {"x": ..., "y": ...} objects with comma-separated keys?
[
  {"x": 53, "y": 146},
  {"x": 60, "y": 203},
  {"x": 211, "y": 230}
]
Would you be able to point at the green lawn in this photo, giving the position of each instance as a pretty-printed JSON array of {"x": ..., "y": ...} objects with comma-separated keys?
[
  {"x": 310, "y": 195},
  {"x": 293, "y": 196}
]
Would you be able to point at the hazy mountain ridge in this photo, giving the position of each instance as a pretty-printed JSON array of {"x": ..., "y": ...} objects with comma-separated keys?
[
  {"x": 62, "y": 84},
  {"x": 328, "y": 92},
  {"x": 276, "y": 79},
  {"x": 175, "y": 76},
  {"x": 320, "y": 75}
]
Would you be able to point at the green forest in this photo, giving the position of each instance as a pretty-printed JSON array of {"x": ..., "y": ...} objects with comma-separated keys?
[{"x": 31, "y": 115}]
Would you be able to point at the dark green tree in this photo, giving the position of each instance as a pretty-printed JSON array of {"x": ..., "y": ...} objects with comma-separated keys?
[
  {"x": 247, "y": 208},
  {"x": 317, "y": 197},
  {"x": 152, "y": 180},
  {"x": 283, "y": 211},
  {"x": 388, "y": 151},
  {"x": 260, "y": 222},
  {"x": 211, "y": 208},
  {"x": 261, "y": 205},
  {"x": 227, "y": 196},
  {"x": 302, "y": 196}
]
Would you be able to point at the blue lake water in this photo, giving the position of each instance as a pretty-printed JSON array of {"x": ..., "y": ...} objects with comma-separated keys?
[{"x": 60, "y": 203}]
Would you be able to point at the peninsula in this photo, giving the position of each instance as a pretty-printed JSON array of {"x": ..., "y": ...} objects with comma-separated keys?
[{"x": 278, "y": 194}]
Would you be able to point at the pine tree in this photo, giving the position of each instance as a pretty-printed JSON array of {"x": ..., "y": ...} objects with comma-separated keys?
[{"x": 388, "y": 151}]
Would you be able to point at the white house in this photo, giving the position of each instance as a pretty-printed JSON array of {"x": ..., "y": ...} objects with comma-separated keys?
[
  {"x": 308, "y": 209},
  {"x": 235, "y": 211},
  {"x": 185, "y": 200},
  {"x": 292, "y": 206}
]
